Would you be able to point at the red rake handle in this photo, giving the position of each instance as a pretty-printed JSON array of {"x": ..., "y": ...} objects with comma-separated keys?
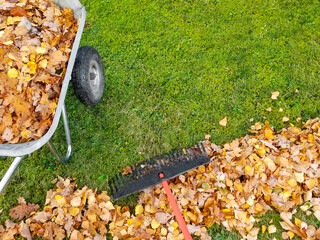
[{"x": 174, "y": 206}]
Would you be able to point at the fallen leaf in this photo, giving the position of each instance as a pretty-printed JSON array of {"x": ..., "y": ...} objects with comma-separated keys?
[
  {"x": 285, "y": 119},
  {"x": 275, "y": 95},
  {"x": 272, "y": 229},
  {"x": 127, "y": 170},
  {"x": 23, "y": 210},
  {"x": 223, "y": 122}
]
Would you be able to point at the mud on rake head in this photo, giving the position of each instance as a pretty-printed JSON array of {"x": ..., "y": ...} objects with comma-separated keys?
[{"x": 146, "y": 173}]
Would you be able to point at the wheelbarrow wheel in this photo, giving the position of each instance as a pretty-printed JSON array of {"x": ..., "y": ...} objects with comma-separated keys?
[{"x": 88, "y": 78}]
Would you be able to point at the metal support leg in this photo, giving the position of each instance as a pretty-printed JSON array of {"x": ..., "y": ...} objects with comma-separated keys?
[
  {"x": 68, "y": 139},
  {"x": 9, "y": 173}
]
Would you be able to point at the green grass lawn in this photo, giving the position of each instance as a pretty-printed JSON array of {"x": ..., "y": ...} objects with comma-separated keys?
[{"x": 173, "y": 70}]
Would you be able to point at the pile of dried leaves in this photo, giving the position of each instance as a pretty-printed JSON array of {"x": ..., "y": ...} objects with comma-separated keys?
[
  {"x": 244, "y": 180},
  {"x": 36, "y": 38}
]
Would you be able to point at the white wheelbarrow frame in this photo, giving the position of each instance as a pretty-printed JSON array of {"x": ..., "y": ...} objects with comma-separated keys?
[{"x": 19, "y": 150}]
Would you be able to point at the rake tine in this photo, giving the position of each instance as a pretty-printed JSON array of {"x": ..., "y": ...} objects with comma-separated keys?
[
  {"x": 190, "y": 154},
  {"x": 196, "y": 154},
  {"x": 114, "y": 184},
  {"x": 185, "y": 154},
  {"x": 126, "y": 178},
  {"x": 182, "y": 159},
  {"x": 111, "y": 187},
  {"x": 204, "y": 150},
  {"x": 119, "y": 181},
  {"x": 199, "y": 150},
  {"x": 171, "y": 157},
  {"x": 167, "y": 160},
  {"x": 158, "y": 162},
  {"x": 149, "y": 165},
  {"x": 124, "y": 183},
  {"x": 144, "y": 169},
  {"x": 176, "y": 157},
  {"x": 162, "y": 162},
  {"x": 133, "y": 174},
  {"x": 140, "y": 171}
]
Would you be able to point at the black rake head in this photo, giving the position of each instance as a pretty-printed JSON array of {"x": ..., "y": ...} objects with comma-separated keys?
[{"x": 146, "y": 173}]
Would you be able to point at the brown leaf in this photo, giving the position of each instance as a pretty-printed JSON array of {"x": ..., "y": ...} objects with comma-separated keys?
[
  {"x": 25, "y": 231},
  {"x": 127, "y": 170},
  {"x": 21, "y": 211},
  {"x": 42, "y": 217},
  {"x": 18, "y": 11}
]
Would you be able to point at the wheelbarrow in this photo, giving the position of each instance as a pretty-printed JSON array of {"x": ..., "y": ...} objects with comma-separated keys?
[{"x": 85, "y": 70}]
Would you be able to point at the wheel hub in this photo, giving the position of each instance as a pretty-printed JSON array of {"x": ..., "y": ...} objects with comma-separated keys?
[{"x": 94, "y": 76}]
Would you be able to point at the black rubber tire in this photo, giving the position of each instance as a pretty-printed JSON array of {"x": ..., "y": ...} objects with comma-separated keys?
[{"x": 88, "y": 86}]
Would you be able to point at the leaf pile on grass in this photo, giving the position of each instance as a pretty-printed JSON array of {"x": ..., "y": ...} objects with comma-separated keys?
[
  {"x": 36, "y": 37},
  {"x": 244, "y": 180}
]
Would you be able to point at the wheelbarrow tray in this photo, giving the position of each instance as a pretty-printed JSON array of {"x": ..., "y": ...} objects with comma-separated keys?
[{"x": 21, "y": 149}]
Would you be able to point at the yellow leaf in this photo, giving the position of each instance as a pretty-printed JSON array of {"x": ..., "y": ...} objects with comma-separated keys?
[
  {"x": 268, "y": 133},
  {"x": 223, "y": 122},
  {"x": 310, "y": 183},
  {"x": 60, "y": 200},
  {"x": 292, "y": 182},
  {"x": 247, "y": 169},
  {"x": 290, "y": 234},
  {"x": 33, "y": 67},
  {"x": 238, "y": 186},
  {"x": 297, "y": 221},
  {"x": 311, "y": 138},
  {"x": 129, "y": 221},
  {"x": 258, "y": 207},
  {"x": 41, "y": 50},
  {"x": 155, "y": 224},
  {"x": 92, "y": 217},
  {"x": 286, "y": 194},
  {"x": 74, "y": 211},
  {"x": 175, "y": 225},
  {"x": 261, "y": 151},
  {"x": 25, "y": 133},
  {"x": 13, "y": 73},
  {"x": 43, "y": 63},
  {"x": 10, "y": 20},
  {"x": 27, "y": 78},
  {"x": 263, "y": 228},
  {"x": 139, "y": 209},
  {"x": 8, "y": 43}
]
